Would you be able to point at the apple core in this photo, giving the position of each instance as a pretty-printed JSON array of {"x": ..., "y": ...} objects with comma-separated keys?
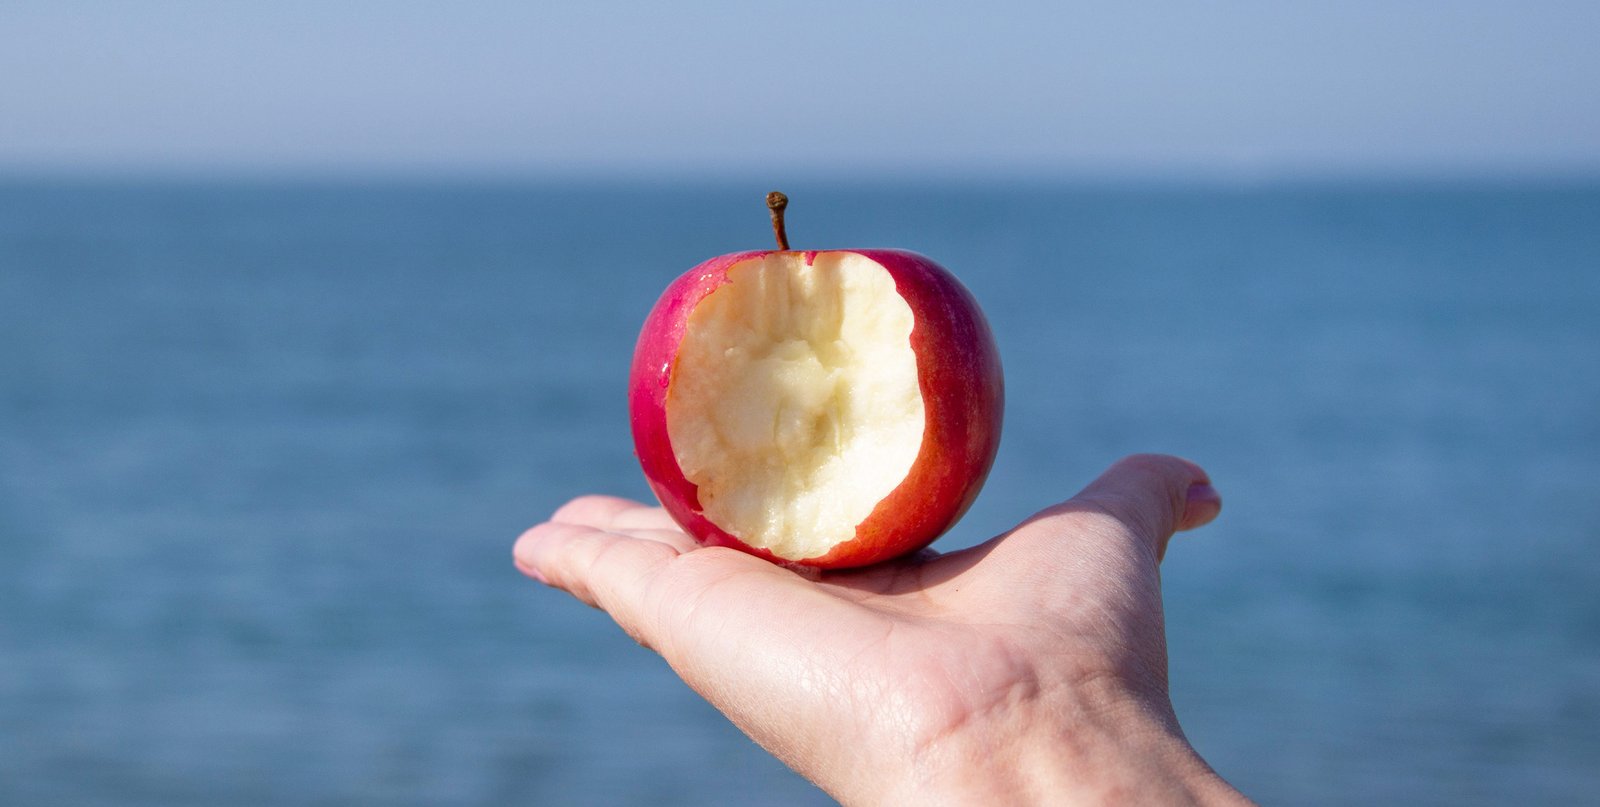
[{"x": 794, "y": 405}]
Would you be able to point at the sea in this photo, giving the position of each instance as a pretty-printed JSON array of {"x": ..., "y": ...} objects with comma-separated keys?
[{"x": 265, "y": 446}]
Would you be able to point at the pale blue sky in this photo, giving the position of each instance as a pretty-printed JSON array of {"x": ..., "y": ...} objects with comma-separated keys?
[{"x": 734, "y": 88}]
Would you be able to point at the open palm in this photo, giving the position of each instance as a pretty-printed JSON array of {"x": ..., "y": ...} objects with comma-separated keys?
[{"x": 887, "y": 683}]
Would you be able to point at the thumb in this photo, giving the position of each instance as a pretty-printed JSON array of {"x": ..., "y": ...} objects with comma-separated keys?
[{"x": 1153, "y": 496}]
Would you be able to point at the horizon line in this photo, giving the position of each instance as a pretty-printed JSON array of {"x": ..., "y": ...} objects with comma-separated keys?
[{"x": 843, "y": 174}]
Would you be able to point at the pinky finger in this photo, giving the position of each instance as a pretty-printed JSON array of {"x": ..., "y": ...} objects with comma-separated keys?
[{"x": 606, "y": 570}]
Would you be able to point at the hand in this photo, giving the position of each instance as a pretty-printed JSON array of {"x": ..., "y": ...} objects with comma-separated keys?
[{"x": 1029, "y": 669}]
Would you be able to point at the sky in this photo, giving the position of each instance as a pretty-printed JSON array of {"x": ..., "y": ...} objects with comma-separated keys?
[{"x": 1425, "y": 87}]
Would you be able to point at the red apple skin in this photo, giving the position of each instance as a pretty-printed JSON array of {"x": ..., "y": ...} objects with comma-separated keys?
[{"x": 963, "y": 395}]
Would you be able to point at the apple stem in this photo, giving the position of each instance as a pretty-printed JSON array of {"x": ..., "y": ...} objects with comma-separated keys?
[{"x": 776, "y": 202}]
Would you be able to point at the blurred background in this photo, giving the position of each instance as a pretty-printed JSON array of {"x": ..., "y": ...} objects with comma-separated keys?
[{"x": 308, "y": 309}]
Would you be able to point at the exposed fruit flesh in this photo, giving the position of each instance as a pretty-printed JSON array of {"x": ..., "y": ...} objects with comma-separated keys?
[{"x": 795, "y": 406}]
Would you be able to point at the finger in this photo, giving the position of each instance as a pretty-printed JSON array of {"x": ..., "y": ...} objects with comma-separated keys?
[
  {"x": 1153, "y": 496},
  {"x": 645, "y": 518},
  {"x": 675, "y": 538},
  {"x": 609, "y": 571},
  {"x": 613, "y": 514},
  {"x": 609, "y": 512}
]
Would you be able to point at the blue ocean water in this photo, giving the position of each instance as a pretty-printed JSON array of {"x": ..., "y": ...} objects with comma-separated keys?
[{"x": 264, "y": 449}]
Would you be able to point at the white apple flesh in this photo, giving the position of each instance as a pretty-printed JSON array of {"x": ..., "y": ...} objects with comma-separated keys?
[
  {"x": 795, "y": 407},
  {"x": 825, "y": 408}
]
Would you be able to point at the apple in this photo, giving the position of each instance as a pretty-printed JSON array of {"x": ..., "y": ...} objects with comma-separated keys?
[{"x": 830, "y": 408}]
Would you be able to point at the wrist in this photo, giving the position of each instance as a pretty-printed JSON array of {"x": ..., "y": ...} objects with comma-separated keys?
[{"x": 1129, "y": 753}]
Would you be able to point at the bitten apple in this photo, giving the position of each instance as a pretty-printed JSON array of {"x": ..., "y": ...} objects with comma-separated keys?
[{"x": 828, "y": 408}]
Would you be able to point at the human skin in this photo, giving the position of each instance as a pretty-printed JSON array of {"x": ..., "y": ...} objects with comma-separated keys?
[{"x": 1031, "y": 669}]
